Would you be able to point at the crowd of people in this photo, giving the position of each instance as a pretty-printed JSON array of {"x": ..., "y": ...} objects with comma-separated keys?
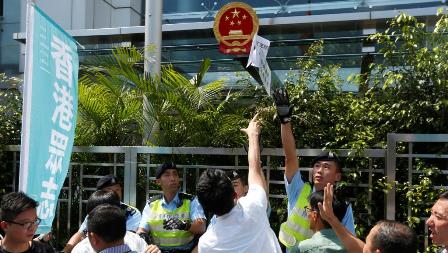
[{"x": 228, "y": 214}]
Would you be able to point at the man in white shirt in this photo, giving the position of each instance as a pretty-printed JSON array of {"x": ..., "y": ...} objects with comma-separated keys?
[
  {"x": 244, "y": 226},
  {"x": 135, "y": 243}
]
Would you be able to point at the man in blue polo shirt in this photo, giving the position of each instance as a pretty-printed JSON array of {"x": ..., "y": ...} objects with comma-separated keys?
[{"x": 327, "y": 168}]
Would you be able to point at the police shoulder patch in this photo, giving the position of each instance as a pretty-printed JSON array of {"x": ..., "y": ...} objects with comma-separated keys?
[
  {"x": 183, "y": 196},
  {"x": 154, "y": 198}
]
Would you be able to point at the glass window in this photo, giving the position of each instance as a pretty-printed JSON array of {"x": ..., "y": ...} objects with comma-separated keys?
[{"x": 180, "y": 11}]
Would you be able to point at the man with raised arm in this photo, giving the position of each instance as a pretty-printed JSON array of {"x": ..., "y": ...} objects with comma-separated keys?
[
  {"x": 327, "y": 168},
  {"x": 385, "y": 237},
  {"x": 243, "y": 226}
]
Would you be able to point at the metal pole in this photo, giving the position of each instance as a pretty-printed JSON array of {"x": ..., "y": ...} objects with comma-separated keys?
[
  {"x": 391, "y": 159},
  {"x": 153, "y": 36},
  {"x": 153, "y": 57}
]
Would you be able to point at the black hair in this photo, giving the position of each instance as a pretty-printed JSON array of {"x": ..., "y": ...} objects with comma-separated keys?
[
  {"x": 215, "y": 192},
  {"x": 238, "y": 174},
  {"x": 444, "y": 195},
  {"x": 15, "y": 203},
  {"x": 339, "y": 206},
  {"x": 101, "y": 197},
  {"x": 392, "y": 236},
  {"x": 244, "y": 181},
  {"x": 108, "y": 222}
]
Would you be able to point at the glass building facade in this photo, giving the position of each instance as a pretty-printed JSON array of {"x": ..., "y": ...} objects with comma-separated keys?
[
  {"x": 290, "y": 25},
  {"x": 181, "y": 11}
]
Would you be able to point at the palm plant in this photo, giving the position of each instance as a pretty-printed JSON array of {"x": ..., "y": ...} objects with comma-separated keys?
[
  {"x": 118, "y": 103},
  {"x": 109, "y": 105}
]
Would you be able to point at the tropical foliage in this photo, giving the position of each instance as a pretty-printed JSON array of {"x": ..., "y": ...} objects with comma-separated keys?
[{"x": 118, "y": 104}]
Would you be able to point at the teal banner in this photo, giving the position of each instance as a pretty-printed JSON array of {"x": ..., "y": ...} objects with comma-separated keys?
[{"x": 49, "y": 112}]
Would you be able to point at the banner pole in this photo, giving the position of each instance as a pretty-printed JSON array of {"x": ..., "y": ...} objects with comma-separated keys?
[{"x": 26, "y": 105}]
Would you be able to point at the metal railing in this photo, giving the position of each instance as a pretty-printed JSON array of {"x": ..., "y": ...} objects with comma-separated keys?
[{"x": 136, "y": 166}]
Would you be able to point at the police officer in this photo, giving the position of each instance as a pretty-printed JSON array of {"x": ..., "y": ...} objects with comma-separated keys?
[
  {"x": 326, "y": 168},
  {"x": 133, "y": 215},
  {"x": 173, "y": 218}
]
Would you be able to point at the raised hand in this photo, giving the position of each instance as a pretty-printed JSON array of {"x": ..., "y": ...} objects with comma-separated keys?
[
  {"x": 253, "y": 128},
  {"x": 284, "y": 108},
  {"x": 326, "y": 208}
]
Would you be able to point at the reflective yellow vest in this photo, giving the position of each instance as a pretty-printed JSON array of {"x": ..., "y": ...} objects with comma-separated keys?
[
  {"x": 169, "y": 238},
  {"x": 297, "y": 227}
]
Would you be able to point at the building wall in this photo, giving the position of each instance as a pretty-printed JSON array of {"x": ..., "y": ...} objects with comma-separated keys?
[
  {"x": 77, "y": 15},
  {"x": 9, "y": 48},
  {"x": 91, "y": 14}
]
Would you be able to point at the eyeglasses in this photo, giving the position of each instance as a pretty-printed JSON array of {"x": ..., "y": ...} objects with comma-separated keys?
[
  {"x": 27, "y": 225},
  {"x": 309, "y": 209}
]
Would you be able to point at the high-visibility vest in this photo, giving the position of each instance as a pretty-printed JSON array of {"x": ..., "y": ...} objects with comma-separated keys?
[
  {"x": 169, "y": 238},
  {"x": 297, "y": 227}
]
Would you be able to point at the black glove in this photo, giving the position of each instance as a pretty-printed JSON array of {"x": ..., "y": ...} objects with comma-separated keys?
[
  {"x": 146, "y": 237},
  {"x": 284, "y": 109},
  {"x": 175, "y": 223}
]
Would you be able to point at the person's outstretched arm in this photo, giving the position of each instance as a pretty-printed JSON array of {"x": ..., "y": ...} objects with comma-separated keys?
[
  {"x": 351, "y": 243},
  {"x": 284, "y": 112},
  {"x": 289, "y": 147},
  {"x": 75, "y": 239},
  {"x": 256, "y": 175}
]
